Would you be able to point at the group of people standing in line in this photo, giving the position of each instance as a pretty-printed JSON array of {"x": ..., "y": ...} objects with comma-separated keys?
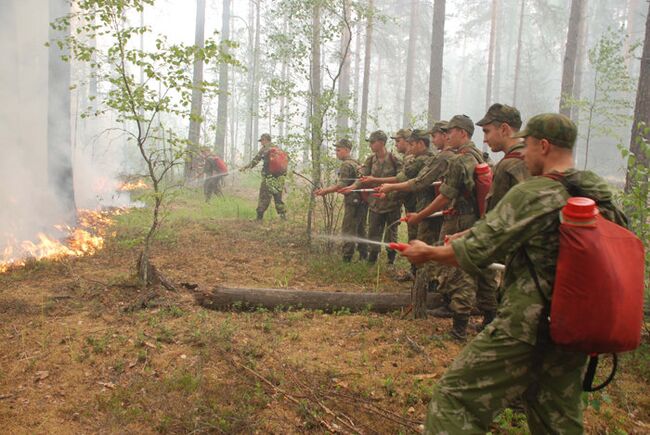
[
  {"x": 452, "y": 244},
  {"x": 454, "y": 238}
]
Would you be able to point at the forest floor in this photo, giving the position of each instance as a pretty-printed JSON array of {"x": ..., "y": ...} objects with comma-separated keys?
[{"x": 84, "y": 350}]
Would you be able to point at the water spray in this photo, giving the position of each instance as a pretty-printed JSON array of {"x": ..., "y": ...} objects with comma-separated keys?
[{"x": 395, "y": 246}]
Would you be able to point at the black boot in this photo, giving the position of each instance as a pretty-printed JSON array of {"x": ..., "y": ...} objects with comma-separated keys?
[
  {"x": 372, "y": 257},
  {"x": 391, "y": 257},
  {"x": 459, "y": 328},
  {"x": 260, "y": 215}
]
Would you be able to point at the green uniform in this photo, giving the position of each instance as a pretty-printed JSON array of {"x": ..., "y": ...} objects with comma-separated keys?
[
  {"x": 383, "y": 211},
  {"x": 499, "y": 365},
  {"x": 510, "y": 170},
  {"x": 459, "y": 287},
  {"x": 408, "y": 198},
  {"x": 355, "y": 211},
  {"x": 271, "y": 187}
]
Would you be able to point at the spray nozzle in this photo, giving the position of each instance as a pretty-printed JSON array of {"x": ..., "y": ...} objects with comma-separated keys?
[{"x": 401, "y": 247}]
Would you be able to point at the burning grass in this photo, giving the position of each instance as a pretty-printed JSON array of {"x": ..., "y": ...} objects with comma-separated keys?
[{"x": 85, "y": 239}]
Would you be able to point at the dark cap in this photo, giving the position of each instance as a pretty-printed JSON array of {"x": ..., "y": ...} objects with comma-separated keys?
[
  {"x": 502, "y": 113},
  {"x": 463, "y": 122},
  {"x": 377, "y": 135},
  {"x": 343, "y": 143},
  {"x": 554, "y": 127},
  {"x": 439, "y": 126},
  {"x": 418, "y": 134},
  {"x": 265, "y": 136},
  {"x": 403, "y": 133}
]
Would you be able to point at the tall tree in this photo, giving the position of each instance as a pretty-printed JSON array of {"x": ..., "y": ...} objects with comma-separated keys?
[
  {"x": 437, "y": 49},
  {"x": 194, "y": 136},
  {"x": 316, "y": 110},
  {"x": 256, "y": 72},
  {"x": 222, "y": 106},
  {"x": 366, "y": 77},
  {"x": 248, "y": 140},
  {"x": 520, "y": 33},
  {"x": 641, "y": 125},
  {"x": 410, "y": 64},
  {"x": 581, "y": 54},
  {"x": 490, "y": 67},
  {"x": 568, "y": 70},
  {"x": 344, "y": 82},
  {"x": 357, "y": 74},
  {"x": 59, "y": 142}
]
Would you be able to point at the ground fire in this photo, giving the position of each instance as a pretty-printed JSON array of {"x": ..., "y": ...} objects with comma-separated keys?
[{"x": 85, "y": 239}]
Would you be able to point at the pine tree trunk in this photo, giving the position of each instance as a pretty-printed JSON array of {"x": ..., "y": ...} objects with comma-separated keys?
[
  {"x": 641, "y": 108},
  {"x": 249, "y": 140},
  {"x": 222, "y": 107},
  {"x": 568, "y": 70},
  {"x": 518, "y": 57},
  {"x": 410, "y": 65},
  {"x": 366, "y": 80},
  {"x": 344, "y": 80},
  {"x": 194, "y": 136},
  {"x": 580, "y": 60},
  {"x": 490, "y": 66},
  {"x": 357, "y": 81},
  {"x": 256, "y": 73},
  {"x": 59, "y": 141},
  {"x": 498, "y": 36},
  {"x": 316, "y": 115},
  {"x": 437, "y": 50}
]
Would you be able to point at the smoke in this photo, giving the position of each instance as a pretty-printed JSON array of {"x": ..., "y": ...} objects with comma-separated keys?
[{"x": 31, "y": 199}]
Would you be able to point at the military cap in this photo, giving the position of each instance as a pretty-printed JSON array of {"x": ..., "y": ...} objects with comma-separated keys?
[
  {"x": 502, "y": 113},
  {"x": 554, "y": 127},
  {"x": 377, "y": 135},
  {"x": 439, "y": 126},
  {"x": 265, "y": 136},
  {"x": 463, "y": 122},
  {"x": 403, "y": 133},
  {"x": 418, "y": 134},
  {"x": 343, "y": 143}
]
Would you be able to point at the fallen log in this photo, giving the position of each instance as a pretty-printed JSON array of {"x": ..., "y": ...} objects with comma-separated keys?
[{"x": 223, "y": 298}]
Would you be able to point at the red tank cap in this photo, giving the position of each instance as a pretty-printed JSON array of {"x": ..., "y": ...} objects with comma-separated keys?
[
  {"x": 482, "y": 168},
  {"x": 579, "y": 208}
]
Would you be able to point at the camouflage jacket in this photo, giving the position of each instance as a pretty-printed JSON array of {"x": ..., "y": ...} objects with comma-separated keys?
[
  {"x": 458, "y": 185},
  {"x": 434, "y": 171},
  {"x": 262, "y": 155},
  {"x": 509, "y": 171},
  {"x": 347, "y": 173},
  {"x": 526, "y": 222},
  {"x": 390, "y": 166},
  {"x": 412, "y": 167}
]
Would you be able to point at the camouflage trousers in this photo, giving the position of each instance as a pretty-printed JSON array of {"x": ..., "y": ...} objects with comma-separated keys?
[
  {"x": 456, "y": 285},
  {"x": 428, "y": 231},
  {"x": 354, "y": 225},
  {"x": 212, "y": 186},
  {"x": 409, "y": 207},
  {"x": 486, "y": 290},
  {"x": 494, "y": 370},
  {"x": 381, "y": 228},
  {"x": 271, "y": 188}
]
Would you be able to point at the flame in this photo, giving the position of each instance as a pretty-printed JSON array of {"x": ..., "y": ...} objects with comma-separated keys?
[
  {"x": 85, "y": 239},
  {"x": 127, "y": 187}
]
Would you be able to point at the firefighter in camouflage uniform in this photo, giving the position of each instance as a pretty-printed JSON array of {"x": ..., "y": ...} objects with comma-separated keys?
[
  {"x": 355, "y": 210},
  {"x": 513, "y": 356}
]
